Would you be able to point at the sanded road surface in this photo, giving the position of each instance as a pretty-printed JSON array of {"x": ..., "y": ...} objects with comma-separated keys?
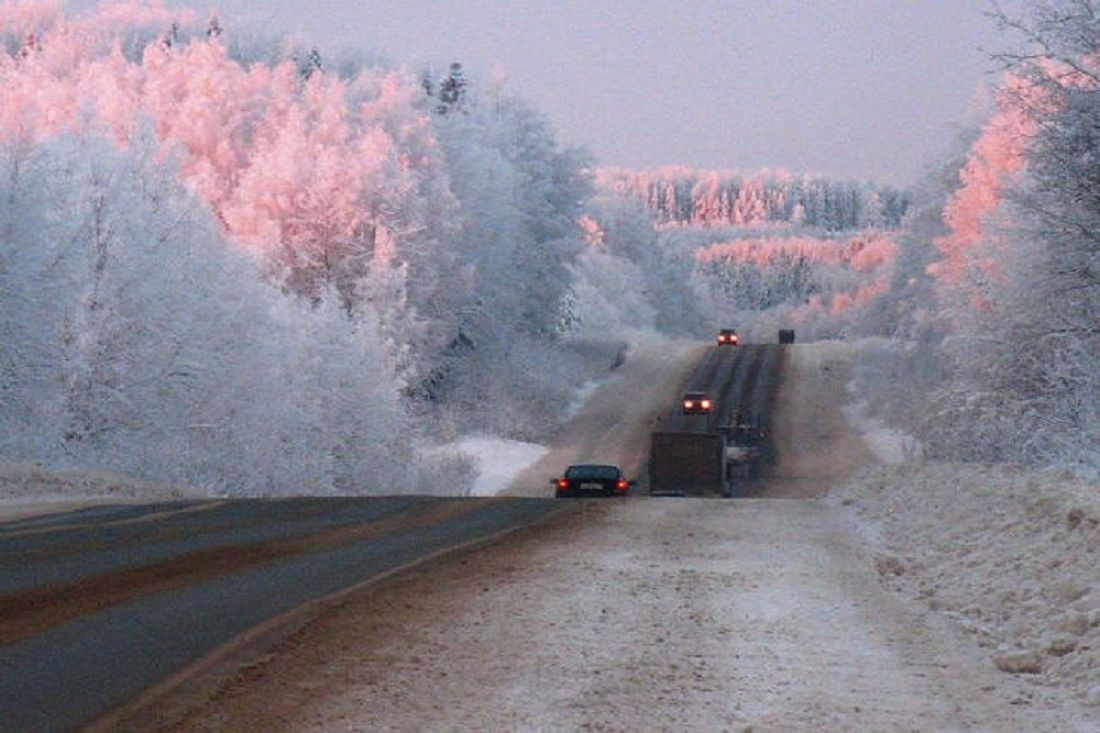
[{"x": 97, "y": 605}]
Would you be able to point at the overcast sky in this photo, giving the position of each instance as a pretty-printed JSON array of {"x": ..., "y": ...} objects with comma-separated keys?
[{"x": 854, "y": 88}]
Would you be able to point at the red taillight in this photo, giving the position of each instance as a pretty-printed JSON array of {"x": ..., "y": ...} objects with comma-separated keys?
[
  {"x": 563, "y": 483},
  {"x": 735, "y": 340},
  {"x": 688, "y": 404},
  {"x": 622, "y": 485},
  {"x": 706, "y": 404}
]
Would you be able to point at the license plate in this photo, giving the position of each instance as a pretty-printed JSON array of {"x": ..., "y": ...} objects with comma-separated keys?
[{"x": 591, "y": 487}]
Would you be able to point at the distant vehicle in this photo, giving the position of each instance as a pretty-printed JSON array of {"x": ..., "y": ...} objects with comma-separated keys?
[
  {"x": 697, "y": 403},
  {"x": 591, "y": 480},
  {"x": 786, "y": 336},
  {"x": 728, "y": 337}
]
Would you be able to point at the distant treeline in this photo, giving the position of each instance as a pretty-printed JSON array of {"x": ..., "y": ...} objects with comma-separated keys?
[{"x": 687, "y": 196}]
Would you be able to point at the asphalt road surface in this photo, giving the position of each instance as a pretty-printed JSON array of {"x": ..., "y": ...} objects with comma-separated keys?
[{"x": 98, "y": 605}]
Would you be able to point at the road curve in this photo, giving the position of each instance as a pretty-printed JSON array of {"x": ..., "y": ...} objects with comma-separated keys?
[{"x": 98, "y": 605}]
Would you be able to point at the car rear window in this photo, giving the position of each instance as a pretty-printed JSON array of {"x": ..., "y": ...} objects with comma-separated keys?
[{"x": 600, "y": 472}]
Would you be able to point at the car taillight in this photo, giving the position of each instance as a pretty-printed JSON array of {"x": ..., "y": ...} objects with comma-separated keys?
[
  {"x": 706, "y": 404},
  {"x": 563, "y": 483},
  {"x": 688, "y": 404},
  {"x": 622, "y": 484}
]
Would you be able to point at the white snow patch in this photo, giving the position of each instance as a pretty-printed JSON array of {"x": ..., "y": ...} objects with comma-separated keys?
[
  {"x": 500, "y": 460},
  {"x": 580, "y": 398},
  {"x": 890, "y": 446}
]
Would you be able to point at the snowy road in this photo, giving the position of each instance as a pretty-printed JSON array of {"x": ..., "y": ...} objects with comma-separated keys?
[
  {"x": 613, "y": 425},
  {"x": 647, "y": 615},
  {"x": 763, "y": 615}
]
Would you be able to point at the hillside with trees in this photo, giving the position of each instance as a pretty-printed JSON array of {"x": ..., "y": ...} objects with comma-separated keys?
[
  {"x": 996, "y": 306},
  {"x": 680, "y": 196},
  {"x": 236, "y": 265},
  {"x": 248, "y": 266},
  {"x": 978, "y": 286}
]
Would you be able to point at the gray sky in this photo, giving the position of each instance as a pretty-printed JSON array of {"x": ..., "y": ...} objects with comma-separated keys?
[{"x": 855, "y": 88}]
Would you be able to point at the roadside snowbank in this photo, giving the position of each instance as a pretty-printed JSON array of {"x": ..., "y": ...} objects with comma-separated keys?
[
  {"x": 1010, "y": 554},
  {"x": 499, "y": 460},
  {"x": 21, "y": 481},
  {"x": 890, "y": 446},
  {"x": 27, "y": 489}
]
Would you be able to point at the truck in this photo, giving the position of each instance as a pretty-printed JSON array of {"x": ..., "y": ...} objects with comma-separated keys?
[
  {"x": 684, "y": 464},
  {"x": 697, "y": 455}
]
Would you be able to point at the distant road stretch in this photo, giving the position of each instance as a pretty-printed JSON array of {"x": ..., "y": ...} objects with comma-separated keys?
[{"x": 99, "y": 604}]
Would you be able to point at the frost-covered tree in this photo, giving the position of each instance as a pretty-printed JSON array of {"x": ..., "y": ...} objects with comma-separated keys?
[
  {"x": 1014, "y": 300},
  {"x": 452, "y": 91},
  {"x": 454, "y": 235},
  {"x": 624, "y": 229},
  {"x": 136, "y": 341},
  {"x": 689, "y": 197},
  {"x": 519, "y": 199},
  {"x": 1051, "y": 282}
]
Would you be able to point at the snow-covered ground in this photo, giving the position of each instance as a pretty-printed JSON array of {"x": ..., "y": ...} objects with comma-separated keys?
[
  {"x": 639, "y": 615},
  {"x": 1012, "y": 555},
  {"x": 27, "y": 489},
  {"x": 499, "y": 460},
  {"x": 890, "y": 446}
]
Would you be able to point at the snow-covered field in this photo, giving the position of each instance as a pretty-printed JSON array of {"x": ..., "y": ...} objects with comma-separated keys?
[{"x": 1012, "y": 555}]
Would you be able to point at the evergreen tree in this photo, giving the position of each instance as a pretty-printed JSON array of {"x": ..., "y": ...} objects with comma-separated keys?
[
  {"x": 452, "y": 91},
  {"x": 312, "y": 64},
  {"x": 213, "y": 28}
]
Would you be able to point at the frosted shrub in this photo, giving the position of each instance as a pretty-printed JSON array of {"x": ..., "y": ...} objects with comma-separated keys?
[
  {"x": 896, "y": 378},
  {"x": 446, "y": 473},
  {"x": 608, "y": 297}
]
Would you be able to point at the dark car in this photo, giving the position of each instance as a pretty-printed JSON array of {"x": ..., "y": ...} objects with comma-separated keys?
[
  {"x": 591, "y": 480},
  {"x": 697, "y": 403},
  {"x": 728, "y": 337}
]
